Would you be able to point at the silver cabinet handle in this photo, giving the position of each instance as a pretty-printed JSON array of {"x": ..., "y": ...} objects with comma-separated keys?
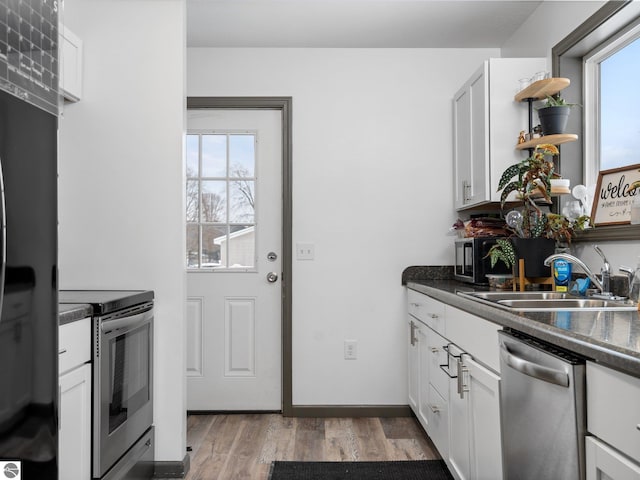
[
  {"x": 462, "y": 387},
  {"x": 434, "y": 408},
  {"x": 60, "y": 352},
  {"x": 433, "y": 315},
  {"x": 546, "y": 374},
  {"x": 272, "y": 277},
  {"x": 434, "y": 350},
  {"x": 416, "y": 305},
  {"x": 413, "y": 339}
]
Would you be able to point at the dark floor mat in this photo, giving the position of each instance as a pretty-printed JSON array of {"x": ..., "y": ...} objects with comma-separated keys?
[{"x": 400, "y": 470}]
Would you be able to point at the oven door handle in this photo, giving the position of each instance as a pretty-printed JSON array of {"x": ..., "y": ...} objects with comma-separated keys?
[{"x": 126, "y": 323}]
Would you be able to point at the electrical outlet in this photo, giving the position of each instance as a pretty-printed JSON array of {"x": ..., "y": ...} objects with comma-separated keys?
[
  {"x": 305, "y": 251},
  {"x": 350, "y": 349}
]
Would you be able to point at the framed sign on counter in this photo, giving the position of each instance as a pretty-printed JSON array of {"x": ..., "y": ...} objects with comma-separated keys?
[{"x": 615, "y": 191}]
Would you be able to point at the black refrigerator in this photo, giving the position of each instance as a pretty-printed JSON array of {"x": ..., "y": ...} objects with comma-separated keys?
[{"x": 28, "y": 240}]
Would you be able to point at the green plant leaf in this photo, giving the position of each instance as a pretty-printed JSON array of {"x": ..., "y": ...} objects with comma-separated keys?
[
  {"x": 512, "y": 187},
  {"x": 508, "y": 174}
]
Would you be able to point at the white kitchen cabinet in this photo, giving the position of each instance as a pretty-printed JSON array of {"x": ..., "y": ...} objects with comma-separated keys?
[
  {"x": 606, "y": 463},
  {"x": 414, "y": 365},
  {"x": 464, "y": 426},
  {"x": 613, "y": 416},
  {"x": 70, "y": 64},
  {"x": 75, "y": 400},
  {"x": 486, "y": 125},
  {"x": 475, "y": 443},
  {"x": 75, "y": 424}
]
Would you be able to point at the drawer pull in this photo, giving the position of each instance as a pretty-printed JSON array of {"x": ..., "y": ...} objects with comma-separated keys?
[
  {"x": 433, "y": 315},
  {"x": 434, "y": 408},
  {"x": 60, "y": 352},
  {"x": 416, "y": 305},
  {"x": 434, "y": 350}
]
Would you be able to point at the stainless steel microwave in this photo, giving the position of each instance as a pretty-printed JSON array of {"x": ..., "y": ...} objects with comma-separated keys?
[{"x": 472, "y": 263}]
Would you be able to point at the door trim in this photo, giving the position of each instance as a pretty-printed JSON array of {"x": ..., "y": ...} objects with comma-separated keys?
[{"x": 283, "y": 104}]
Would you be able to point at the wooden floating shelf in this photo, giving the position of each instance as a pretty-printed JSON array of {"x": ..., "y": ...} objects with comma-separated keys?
[
  {"x": 558, "y": 139},
  {"x": 540, "y": 89}
]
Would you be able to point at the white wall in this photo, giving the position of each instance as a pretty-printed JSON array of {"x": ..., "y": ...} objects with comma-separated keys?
[
  {"x": 121, "y": 195},
  {"x": 372, "y": 176}
]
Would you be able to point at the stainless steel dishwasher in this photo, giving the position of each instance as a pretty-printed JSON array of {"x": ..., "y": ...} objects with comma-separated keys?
[{"x": 542, "y": 397}]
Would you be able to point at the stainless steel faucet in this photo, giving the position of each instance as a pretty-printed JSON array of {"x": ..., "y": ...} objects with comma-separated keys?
[
  {"x": 605, "y": 271},
  {"x": 603, "y": 285}
]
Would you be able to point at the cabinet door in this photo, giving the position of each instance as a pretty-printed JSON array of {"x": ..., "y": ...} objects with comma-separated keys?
[
  {"x": 423, "y": 400},
  {"x": 461, "y": 146},
  {"x": 75, "y": 424},
  {"x": 484, "y": 421},
  {"x": 605, "y": 463},
  {"x": 479, "y": 88},
  {"x": 414, "y": 366},
  {"x": 459, "y": 454},
  {"x": 470, "y": 134}
]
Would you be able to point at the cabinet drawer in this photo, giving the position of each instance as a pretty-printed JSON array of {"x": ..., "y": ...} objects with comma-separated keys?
[
  {"x": 74, "y": 344},
  {"x": 475, "y": 335},
  {"x": 613, "y": 408},
  {"x": 438, "y": 356},
  {"x": 438, "y": 416},
  {"x": 427, "y": 310}
]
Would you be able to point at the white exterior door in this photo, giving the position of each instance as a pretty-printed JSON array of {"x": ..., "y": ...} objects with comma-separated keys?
[{"x": 234, "y": 230}]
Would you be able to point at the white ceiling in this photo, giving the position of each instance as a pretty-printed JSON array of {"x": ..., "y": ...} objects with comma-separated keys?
[{"x": 354, "y": 23}]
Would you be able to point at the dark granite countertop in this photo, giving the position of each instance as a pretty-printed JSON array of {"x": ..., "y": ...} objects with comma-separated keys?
[
  {"x": 70, "y": 312},
  {"x": 611, "y": 338}
]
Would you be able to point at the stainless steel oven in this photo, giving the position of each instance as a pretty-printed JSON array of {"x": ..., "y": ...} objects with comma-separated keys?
[
  {"x": 122, "y": 431},
  {"x": 122, "y": 370}
]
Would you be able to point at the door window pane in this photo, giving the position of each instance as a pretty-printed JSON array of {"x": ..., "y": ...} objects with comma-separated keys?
[
  {"x": 214, "y": 205},
  {"x": 213, "y": 241},
  {"x": 241, "y": 247},
  {"x": 220, "y": 203},
  {"x": 241, "y": 201},
  {"x": 214, "y": 155},
  {"x": 242, "y": 155},
  {"x": 193, "y": 155}
]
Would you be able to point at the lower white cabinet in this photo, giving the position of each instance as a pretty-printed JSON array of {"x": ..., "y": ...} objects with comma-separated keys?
[
  {"x": 74, "y": 440},
  {"x": 605, "y": 463},
  {"x": 460, "y": 408},
  {"x": 75, "y": 424},
  {"x": 613, "y": 416},
  {"x": 475, "y": 450}
]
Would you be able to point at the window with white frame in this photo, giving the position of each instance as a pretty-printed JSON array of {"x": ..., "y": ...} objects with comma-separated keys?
[
  {"x": 220, "y": 200},
  {"x": 612, "y": 103}
]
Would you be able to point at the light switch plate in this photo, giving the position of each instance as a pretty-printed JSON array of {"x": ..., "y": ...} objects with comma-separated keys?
[{"x": 305, "y": 251}]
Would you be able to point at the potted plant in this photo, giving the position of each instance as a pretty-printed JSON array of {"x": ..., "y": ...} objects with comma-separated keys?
[
  {"x": 536, "y": 231},
  {"x": 554, "y": 115}
]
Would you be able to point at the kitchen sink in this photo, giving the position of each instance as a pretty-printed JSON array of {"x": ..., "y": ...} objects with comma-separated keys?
[{"x": 546, "y": 301}]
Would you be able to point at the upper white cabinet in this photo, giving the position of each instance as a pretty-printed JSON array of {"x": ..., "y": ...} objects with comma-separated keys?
[
  {"x": 70, "y": 65},
  {"x": 486, "y": 124}
]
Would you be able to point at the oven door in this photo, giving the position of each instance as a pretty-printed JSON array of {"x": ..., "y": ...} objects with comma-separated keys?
[{"x": 123, "y": 406}]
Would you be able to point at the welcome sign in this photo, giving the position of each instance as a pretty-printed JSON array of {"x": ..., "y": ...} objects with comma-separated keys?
[{"x": 615, "y": 192}]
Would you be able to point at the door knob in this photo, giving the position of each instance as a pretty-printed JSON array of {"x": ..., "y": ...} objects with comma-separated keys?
[{"x": 272, "y": 277}]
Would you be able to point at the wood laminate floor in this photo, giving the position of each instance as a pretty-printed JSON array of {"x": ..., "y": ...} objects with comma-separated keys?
[{"x": 242, "y": 446}]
